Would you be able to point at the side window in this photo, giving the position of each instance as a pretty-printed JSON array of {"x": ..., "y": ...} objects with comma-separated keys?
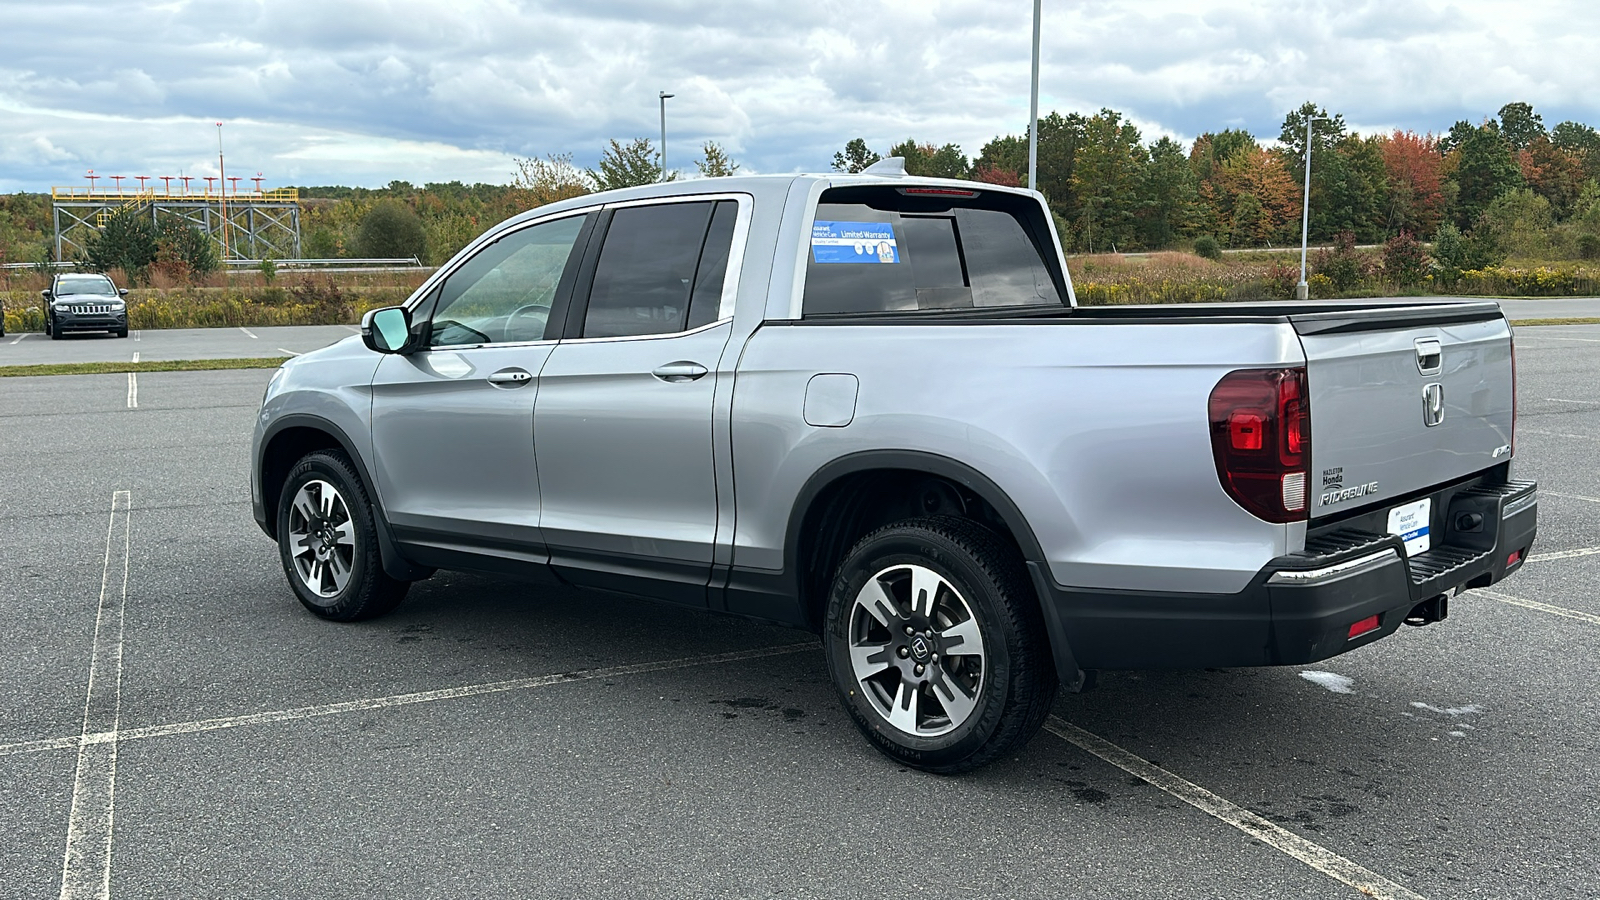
[
  {"x": 661, "y": 269},
  {"x": 504, "y": 292},
  {"x": 876, "y": 250}
]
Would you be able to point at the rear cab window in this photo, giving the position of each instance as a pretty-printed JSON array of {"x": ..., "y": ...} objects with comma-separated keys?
[{"x": 877, "y": 250}]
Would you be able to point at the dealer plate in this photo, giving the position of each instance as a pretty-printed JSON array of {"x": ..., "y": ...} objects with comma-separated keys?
[{"x": 1410, "y": 522}]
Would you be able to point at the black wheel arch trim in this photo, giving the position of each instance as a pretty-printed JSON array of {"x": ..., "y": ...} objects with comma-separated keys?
[
  {"x": 913, "y": 460},
  {"x": 395, "y": 564},
  {"x": 1072, "y": 677}
]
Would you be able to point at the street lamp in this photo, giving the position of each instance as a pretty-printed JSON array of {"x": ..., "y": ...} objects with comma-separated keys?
[
  {"x": 1033, "y": 106},
  {"x": 1303, "y": 290},
  {"x": 664, "y": 97}
]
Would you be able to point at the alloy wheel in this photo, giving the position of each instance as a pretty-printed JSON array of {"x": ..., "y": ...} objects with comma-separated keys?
[
  {"x": 322, "y": 538},
  {"x": 916, "y": 650}
]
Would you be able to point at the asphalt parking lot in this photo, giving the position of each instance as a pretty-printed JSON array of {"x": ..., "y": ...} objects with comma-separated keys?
[
  {"x": 32, "y": 348},
  {"x": 173, "y": 724}
]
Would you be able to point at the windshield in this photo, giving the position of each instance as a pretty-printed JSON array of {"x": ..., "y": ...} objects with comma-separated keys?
[{"x": 89, "y": 284}]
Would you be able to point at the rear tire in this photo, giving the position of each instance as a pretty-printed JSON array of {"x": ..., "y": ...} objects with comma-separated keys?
[
  {"x": 937, "y": 646},
  {"x": 328, "y": 541}
]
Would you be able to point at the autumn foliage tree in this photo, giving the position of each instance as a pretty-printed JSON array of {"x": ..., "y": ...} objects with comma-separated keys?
[{"x": 1415, "y": 197}]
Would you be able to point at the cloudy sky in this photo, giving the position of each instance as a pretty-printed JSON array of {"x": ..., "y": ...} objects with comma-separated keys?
[{"x": 363, "y": 92}]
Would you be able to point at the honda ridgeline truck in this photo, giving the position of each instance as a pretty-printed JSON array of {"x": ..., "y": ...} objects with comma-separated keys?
[{"x": 869, "y": 406}]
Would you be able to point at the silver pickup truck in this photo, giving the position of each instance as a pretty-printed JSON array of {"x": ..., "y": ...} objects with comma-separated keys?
[{"x": 869, "y": 406}]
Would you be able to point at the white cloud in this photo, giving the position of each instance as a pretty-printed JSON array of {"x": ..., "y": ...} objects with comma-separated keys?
[{"x": 367, "y": 91}]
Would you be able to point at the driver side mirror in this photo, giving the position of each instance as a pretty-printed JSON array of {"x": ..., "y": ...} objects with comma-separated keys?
[
  {"x": 45, "y": 293},
  {"x": 387, "y": 330}
]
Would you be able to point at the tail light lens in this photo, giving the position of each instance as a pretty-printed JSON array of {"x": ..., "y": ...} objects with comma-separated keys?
[{"x": 1261, "y": 440}]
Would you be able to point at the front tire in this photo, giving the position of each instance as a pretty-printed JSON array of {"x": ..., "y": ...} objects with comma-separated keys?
[
  {"x": 53, "y": 329},
  {"x": 328, "y": 542},
  {"x": 936, "y": 644}
]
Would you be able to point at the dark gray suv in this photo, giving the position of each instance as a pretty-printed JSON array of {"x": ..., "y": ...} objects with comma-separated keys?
[{"x": 83, "y": 302}]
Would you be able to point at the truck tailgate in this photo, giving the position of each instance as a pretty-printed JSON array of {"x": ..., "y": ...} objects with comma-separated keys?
[{"x": 1403, "y": 399}]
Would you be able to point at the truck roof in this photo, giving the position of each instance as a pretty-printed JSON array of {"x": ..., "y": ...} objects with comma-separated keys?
[{"x": 760, "y": 186}]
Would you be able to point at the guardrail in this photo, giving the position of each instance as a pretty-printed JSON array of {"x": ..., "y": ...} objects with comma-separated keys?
[{"x": 407, "y": 263}]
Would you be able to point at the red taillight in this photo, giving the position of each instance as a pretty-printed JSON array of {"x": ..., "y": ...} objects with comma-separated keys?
[
  {"x": 939, "y": 192},
  {"x": 1514, "y": 558},
  {"x": 1370, "y": 623},
  {"x": 1261, "y": 440}
]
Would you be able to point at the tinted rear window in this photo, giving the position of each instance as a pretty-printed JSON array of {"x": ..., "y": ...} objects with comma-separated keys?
[
  {"x": 661, "y": 269},
  {"x": 875, "y": 250}
]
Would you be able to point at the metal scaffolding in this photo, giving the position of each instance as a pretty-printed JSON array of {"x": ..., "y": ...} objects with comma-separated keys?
[{"x": 243, "y": 224}]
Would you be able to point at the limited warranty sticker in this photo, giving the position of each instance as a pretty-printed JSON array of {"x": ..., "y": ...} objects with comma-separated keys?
[
  {"x": 1410, "y": 522},
  {"x": 853, "y": 242}
]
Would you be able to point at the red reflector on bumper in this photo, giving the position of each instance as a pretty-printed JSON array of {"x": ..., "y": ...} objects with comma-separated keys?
[
  {"x": 1370, "y": 623},
  {"x": 1514, "y": 558}
]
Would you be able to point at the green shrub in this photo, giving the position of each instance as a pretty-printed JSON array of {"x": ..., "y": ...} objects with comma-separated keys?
[
  {"x": 391, "y": 231},
  {"x": 1404, "y": 262},
  {"x": 1589, "y": 246},
  {"x": 1207, "y": 246},
  {"x": 128, "y": 241},
  {"x": 1343, "y": 265}
]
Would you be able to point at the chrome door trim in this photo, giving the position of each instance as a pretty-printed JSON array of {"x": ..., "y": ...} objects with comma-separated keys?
[{"x": 646, "y": 337}]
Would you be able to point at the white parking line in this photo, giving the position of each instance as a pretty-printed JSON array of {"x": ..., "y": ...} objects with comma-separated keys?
[
  {"x": 1570, "y": 496},
  {"x": 86, "y": 866},
  {"x": 133, "y": 390},
  {"x": 1565, "y": 434},
  {"x": 1314, "y": 855},
  {"x": 1584, "y": 402},
  {"x": 332, "y": 709},
  {"x": 1563, "y": 554},
  {"x": 1581, "y": 616},
  {"x": 136, "y": 335},
  {"x": 248, "y": 332},
  {"x": 290, "y": 352},
  {"x": 135, "y": 356},
  {"x": 18, "y": 338},
  {"x": 352, "y": 328}
]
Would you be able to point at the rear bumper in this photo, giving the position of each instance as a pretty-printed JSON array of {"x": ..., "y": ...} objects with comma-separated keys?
[{"x": 1299, "y": 608}]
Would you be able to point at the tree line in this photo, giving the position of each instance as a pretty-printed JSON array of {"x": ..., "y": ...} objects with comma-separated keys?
[
  {"x": 1506, "y": 185},
  {"x": 1505, "y": 179}
]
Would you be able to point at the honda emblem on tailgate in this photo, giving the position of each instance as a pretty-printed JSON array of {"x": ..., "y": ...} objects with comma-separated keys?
[{"x": 1432, "y": 404}]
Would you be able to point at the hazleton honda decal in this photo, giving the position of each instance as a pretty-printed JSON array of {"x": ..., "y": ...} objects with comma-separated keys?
[{"x": 1334, "y": 490}]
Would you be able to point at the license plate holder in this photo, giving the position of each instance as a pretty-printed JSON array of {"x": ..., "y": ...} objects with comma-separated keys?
[{"x": 1410, "y": 521}]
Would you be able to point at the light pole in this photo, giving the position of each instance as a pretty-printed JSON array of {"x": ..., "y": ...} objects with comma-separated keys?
[
  {"x": 1033, "y": 106},
  {"x": 1303, "y": 290},
  {"x": 664, "y": 97},
  {"x": 222, "y": 172}
]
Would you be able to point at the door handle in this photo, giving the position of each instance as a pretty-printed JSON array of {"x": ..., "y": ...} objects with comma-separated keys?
[
  {"x": 680, "y": 371},
  {"x": 510, "y": 378}
]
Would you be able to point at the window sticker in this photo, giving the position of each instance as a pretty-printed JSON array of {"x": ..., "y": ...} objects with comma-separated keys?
[{"x": 853, "y": 242}]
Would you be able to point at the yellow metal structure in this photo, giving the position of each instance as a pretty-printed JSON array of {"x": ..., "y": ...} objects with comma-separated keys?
[{"x": 244, "y": 224}]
